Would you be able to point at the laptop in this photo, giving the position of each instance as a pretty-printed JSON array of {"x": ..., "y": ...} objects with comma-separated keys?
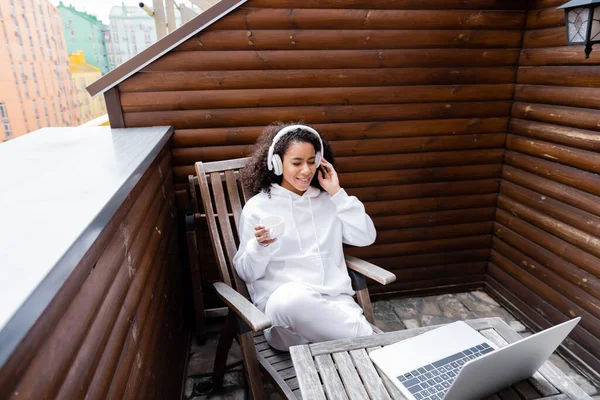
[{"x": 455, "y": 362}]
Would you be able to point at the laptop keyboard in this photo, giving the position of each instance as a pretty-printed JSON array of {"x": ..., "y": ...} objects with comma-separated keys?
[{"x": 432, "y": 381}]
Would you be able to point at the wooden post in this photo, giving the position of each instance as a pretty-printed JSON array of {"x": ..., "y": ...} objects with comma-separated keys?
[
  {"x": 159, "y": 19},
  {"x": 171, "y": 23}
]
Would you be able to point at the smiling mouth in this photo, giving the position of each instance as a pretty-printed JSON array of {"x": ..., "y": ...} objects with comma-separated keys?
[{"x": 304, "y": 180}]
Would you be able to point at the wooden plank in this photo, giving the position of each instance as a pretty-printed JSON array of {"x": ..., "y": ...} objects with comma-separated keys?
[
  {"x": 113, "y": 108},
  {"x": 317, "y": 114},
  {"x": 304, "y": 40},
  {"x": 526, "y": 390},
  {"x": 359, "y": 163},
  {"x": 334, "y": 389},
  {"x": 560, "y": 55},
  {"x": 352, "y": 383},
  {"x": 249, "y": 98},
  {"x": 434, "y": 259},
  {"x": 586, "y": 76},
  {"x": 423, "y": 160},
  {"x": 570, "y": 272},
  {"x": 548, "y": 37},
  {"x": 354, "y": 149},
  {"x": 399, "y": 249},
  {"x": 384, "y": 339},
  {"x": 573, "y": 216},
  {"x": 435, "y": 218},
  {"x": 251, "y": 18},
  {"x": 566, "y": 175},
  {"x": 201, "y": 80},
  {"x": 206, "y": 196},
  {"x": 344, "y": 148},
  {"x": 393, "y": 4},
  {"x": 564, "y": 231},
  {"x": 579, "y": 138},
  {"x": 435, "y": 232},
  {"x": 410, "y": 206},
  {"x": 581, "y": 159},
  {"x": 558, "y": 95},
  {"x": 432, "y": 272},
  {"x": 453, "y": 284},
  {"x": 420, "y": 190},
  {"x": 585, "y": 261},
  {"x": 222, "y": 213},
  {"x": 245, "y": 135},
  {"x": 368, "y": 374},
  {"x": 420, "y": 175},
  {"x": 308, "y": 379},
  {"x": 545, "y": 18},
  {"x": 586, "y": 333},
  {"x": 559, "y": 115},
  {"x": 233, "y": 193}
]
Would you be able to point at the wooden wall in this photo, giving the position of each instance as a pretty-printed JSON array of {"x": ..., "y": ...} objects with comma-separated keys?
[
  {"x": 414, "y": 95},
  {"x": 115, "y": 329},
  {"x": 545, "y": 257}
]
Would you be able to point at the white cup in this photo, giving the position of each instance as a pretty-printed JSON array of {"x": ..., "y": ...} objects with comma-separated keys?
[{"x": 275, "y": 224}]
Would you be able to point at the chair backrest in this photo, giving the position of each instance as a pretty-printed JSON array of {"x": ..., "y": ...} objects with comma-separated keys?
[{"x": 223, "y": 197}]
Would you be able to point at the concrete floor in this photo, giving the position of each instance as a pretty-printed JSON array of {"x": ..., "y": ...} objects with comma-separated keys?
[{"x": 390, "y": 315}]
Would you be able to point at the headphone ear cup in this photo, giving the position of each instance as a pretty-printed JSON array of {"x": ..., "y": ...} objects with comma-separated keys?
[
  {"x": 277, "y": 167},
  {"x": 318, "y": 159}
]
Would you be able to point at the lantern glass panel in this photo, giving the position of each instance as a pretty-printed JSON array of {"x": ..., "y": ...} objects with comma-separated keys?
[
  {"x": 595, "y": 35},
  {"x": 577, "y": 20}
]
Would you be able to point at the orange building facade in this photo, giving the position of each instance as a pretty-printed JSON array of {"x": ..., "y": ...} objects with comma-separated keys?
[{"x": 36, "y": 88}]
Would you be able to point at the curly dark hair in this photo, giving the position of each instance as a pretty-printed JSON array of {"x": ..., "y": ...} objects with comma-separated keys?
[{"x": 256, "y": 174}]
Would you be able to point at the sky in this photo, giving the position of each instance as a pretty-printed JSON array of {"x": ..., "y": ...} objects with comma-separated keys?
[{"x": 101, "y": 8}]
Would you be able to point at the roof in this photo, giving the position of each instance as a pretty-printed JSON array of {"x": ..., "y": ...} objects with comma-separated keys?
[
  {"x": 82, "y": 14},
  {"x": 163, "y": 46}
]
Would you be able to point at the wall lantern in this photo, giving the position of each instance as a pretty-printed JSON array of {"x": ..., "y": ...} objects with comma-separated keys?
[{"x": 582, "y": 18}]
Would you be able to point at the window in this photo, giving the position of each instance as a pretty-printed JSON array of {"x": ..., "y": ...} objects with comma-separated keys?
[
  {"x": 3, "y": 113},
  {"x": 35, "y": 81},
  {"x": 7, "y": 131},
  {"x": 5, "y": 122}
]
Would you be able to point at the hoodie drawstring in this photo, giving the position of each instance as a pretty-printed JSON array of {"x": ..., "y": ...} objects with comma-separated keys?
[
  {"x": 312, "y": 217},
  {"x": 295, "y": 226}
]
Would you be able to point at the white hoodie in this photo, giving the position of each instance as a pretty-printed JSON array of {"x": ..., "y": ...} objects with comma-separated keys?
[{"x": 310, "y": 250}]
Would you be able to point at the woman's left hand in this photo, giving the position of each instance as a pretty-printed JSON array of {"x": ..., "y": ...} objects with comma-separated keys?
[{"x": 328, "y": 178}]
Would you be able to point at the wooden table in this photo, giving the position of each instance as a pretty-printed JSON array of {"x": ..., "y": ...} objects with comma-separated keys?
[{"x": 347, "y": 372}]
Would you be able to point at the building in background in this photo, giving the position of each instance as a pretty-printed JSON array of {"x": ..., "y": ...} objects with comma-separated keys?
[
  {"x": 84, "y": 32},
  {"x": 84, "y": 74},
  {"x": 131, "y": 31},
  {"x": 37, "y": 89}
]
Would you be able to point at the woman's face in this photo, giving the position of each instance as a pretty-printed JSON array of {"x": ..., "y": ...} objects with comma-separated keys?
[{"x": 298, "y": 167}]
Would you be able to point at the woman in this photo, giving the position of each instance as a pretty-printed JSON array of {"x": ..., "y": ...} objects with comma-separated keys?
[{"x": 300, "y": 280}]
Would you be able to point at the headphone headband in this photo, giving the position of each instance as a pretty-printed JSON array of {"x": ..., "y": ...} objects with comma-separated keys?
[{"x": 284, "y": 131}]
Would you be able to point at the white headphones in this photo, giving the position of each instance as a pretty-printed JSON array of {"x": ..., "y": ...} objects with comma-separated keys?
[{"x": 274, "y": 161}]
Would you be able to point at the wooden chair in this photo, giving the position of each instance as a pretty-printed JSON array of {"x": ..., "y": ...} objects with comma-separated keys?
[{"x": 223, "y": 197}]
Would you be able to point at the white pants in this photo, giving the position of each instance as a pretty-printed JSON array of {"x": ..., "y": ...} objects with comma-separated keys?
[{"x": 300, "y": 315}]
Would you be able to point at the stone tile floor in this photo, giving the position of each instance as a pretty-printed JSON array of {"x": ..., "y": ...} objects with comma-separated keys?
[{"x": 390, "y": 315}]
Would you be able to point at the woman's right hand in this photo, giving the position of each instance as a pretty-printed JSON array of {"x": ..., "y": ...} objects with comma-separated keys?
[{"x": 262, "y": 235}]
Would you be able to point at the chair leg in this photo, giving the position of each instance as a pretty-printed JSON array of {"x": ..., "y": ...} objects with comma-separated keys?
[
  {"x": 359, "y": 284},
  {"x": 223, "y": 346},
  {"x": 197, "y": 280},
  {"x": 363, "y": 299},
  {"x": 251, "y": 366}
]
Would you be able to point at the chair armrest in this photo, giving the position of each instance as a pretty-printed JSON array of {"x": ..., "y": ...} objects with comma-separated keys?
[
  {"x": 370, "y": 270},
  {"x": 256, "y": 319}
]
